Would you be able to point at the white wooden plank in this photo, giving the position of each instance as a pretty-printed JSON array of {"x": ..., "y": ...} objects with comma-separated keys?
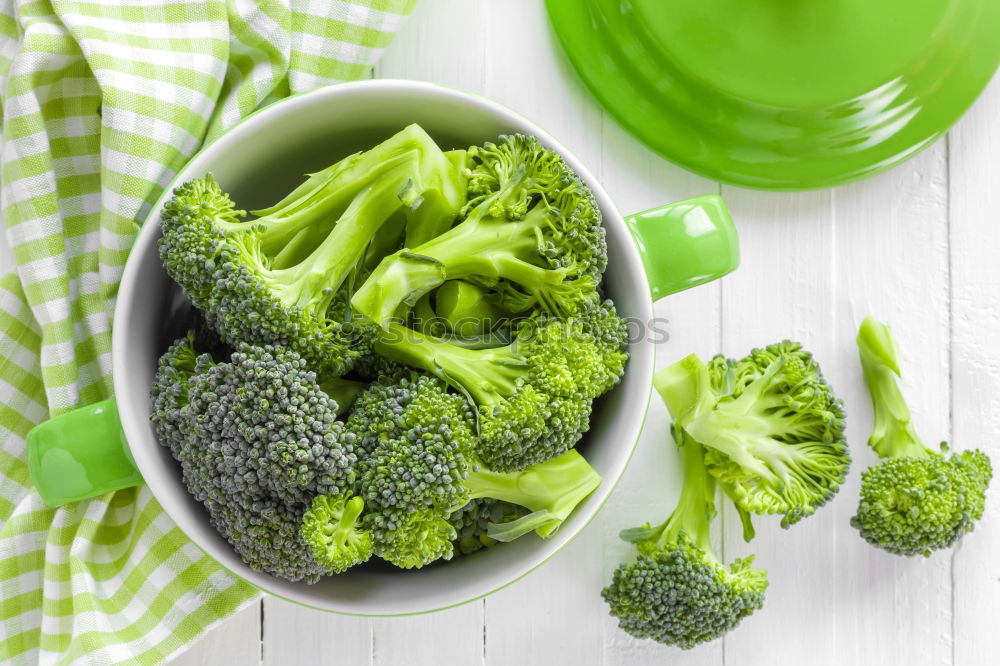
[
  {"x": 975, "y": 245},
  {"x": 294, "y": 634},
  {"x": 453, "y": 636},
  {"x": 891, "y": 261},
  {"x": 234, "y": 641}
]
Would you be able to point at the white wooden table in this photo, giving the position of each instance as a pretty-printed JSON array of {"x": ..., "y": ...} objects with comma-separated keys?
[{"x": 918, "y": 246}]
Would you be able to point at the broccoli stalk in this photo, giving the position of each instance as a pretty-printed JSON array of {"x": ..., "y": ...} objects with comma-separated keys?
[
  {"x": 550, "y": 490},
  {"x": 917, "y": 500},
  {"x": 530, "y": 220},
  {"x": 272, "y": 280},
  {"x": 772, "y": 429},
  {"x": 330, "y": 528},
  {"x": 677, "y": 591}
]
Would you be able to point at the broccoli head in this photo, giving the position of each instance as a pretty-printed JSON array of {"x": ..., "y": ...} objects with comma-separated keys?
[
  {"x": 256, "y": 439},
  {"x": 272, "y": 280},
  {"x": 772, "y": 429},
  {"x": 529, "y": 222},
  {"x": 917, "y": 500},
  {"x": 472, "y": 523},
  {"x": 534, "y": 395},
  {"x": 415, "y": 440},
  {"x": 677, "y": 592}
]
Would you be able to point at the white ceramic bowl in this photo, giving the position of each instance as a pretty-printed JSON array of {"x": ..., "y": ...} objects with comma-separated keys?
[{"x": 257, "y": 162}]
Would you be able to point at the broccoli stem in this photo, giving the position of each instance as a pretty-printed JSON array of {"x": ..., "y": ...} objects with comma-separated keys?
[
  {"x": 686, "y": 389},
  {"x": 486, "y": 375},
  {"x": 695, "y": 507},
  {"x": 551, "y": 490},
  {"x": 481, "y": 246},
  {"x": 893, "y": 434}
]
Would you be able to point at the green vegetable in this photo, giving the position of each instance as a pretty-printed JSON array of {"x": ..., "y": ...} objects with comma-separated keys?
[
  {"x": 917, "y": 500},
  {"x": 677, "y": 591},
  {"x": 529, "y": 221},
  {"x": 418, "y": 466},
  {"x": 534, "y": 395},
  {"x": 257, "y": 440},
  {"x": 771, "y": 427},
  {"x": 273, "y": 280},
  {"x": 330, "y": 528}
]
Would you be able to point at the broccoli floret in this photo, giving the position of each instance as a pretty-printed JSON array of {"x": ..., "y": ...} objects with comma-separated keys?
[
  {"x": 330, "y": 528},
  {"x": 534, "y": 395},
  {"x": 529, "y": 220},
  {"x": 917, "y": 500},
  {"x": 677, "y": 592},
  {"x": 771, "y": 427},
  {"x": 418, "y": 463},
  {"x": 272, "y": 280},
  {"x": 257, "y": 439},
  {"x": 415, "y": 440}
]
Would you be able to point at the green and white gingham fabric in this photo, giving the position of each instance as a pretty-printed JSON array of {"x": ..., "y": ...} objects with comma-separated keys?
[{"x": 103, "y": 101}]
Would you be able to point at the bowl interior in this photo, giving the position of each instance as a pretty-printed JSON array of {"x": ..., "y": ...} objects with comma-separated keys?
[{"x": 257, "y": 162}]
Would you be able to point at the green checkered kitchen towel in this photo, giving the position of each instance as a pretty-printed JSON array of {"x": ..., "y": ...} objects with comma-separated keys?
[{"x": 103, "y": 101}]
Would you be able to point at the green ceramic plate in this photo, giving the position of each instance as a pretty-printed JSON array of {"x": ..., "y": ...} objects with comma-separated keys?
[{"x": 783, "y": 94}]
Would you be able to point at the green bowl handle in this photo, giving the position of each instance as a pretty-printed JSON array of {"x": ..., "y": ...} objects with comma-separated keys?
[
  {"x": 80, "y": 454},
  {"x": 685, "y": 244}
]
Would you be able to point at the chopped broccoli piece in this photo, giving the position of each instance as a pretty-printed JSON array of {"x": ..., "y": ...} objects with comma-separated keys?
[
  {"x": 534, "y": 395},
  {"x": 416, "y": 440},
  {"x": 257, "y": 439},
  {"x": 529, "y": 220},
  {"x": 772, "y": 429},
  {"x": 272, "y": 280},
  {"x": 917, "y": 500},
  {"x": 677, "y": 592},
  {"x": 330, "y": 528}
]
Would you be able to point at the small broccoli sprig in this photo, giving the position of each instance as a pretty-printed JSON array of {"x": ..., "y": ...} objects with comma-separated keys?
[
  {"x": 917, "y": 500},
  {"x": 677, "y": 592},
  {"x": 771, "y": 427},
  {"x": 330, "y": 528},
  {"x": 534, "y": 395},
  {"x": 530, "y": 221},
  {"x": 273, "y": 280}
]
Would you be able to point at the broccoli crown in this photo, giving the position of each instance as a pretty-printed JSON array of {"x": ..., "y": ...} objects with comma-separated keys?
[
  {"x": 915, "y": 505},
  {"x": 217, "y": 261},
  {"x": 272, "y": 280},
  {"x": 916, "y": 500},
  {"x": 330, "y": 528},
  {"x": 524, "y": 173},
  {"x": 534, "y": 395},
  {"x": 256, "y": 439},
  {"x": 676, "y": 591},
  {"x": 416, "y": 441},
  {"x": 530, "y": 223},
  {"x": 775, "y": 435}
]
